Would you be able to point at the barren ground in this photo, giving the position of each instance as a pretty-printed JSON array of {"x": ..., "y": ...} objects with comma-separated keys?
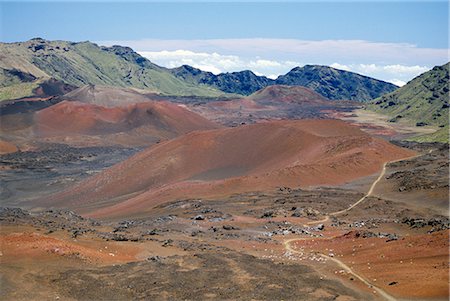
[{"x": 235, "y": 247}]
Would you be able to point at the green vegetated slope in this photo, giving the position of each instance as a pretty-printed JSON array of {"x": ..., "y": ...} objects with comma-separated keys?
[
  {"x": 422, "y": 101},
  {"x": 441, "y": 135},
  {"x": 85, "y": 63},
  {"x": 336, "y": 84},
  {"x": 16, "y": 84}
]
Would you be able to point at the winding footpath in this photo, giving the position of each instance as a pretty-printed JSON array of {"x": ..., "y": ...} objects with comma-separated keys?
[
  {"x": 369, "y": 193},
  {"x": 381, "y": 292},
  {"x": 288, "y": 247}
]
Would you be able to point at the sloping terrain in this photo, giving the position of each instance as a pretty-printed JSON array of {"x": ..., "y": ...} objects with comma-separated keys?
[
  {"x": 336, "y": 84},
  {"x": 273, "y": 102},
  {"x": 241, "y": 246},
  {"x": 422, "y": 101},
  {"x": 106, "y": 96},
  {"x": 226, "y": 161},
  {"x": 423, "y": 181},
  {"x": 97, "y": 116},
  {"x": 73, "y": 117},
  {"x": 23, "y": 64},
  {"x": 6, "y": 147},
  {"x": 329, "y": 82},
  {"x": 243, "y": 82},
  {"x": 83, "y": 63},
  {"x": 441, "y": 135},
  {"x": 15, "y": 84},
  {"x": 79, "y": 123},
  {"x": 288, "y": 94}
]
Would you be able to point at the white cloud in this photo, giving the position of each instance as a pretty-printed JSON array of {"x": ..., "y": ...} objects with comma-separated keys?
[
  {"x": 397, "y": 82},
  {"x": 396, "y": 74},
  {"x": 218, "y": 63},
  {"x": 386, "y": 61},
  {"x": 340, "y": 67},
  {"x": 313, "y": 52}
]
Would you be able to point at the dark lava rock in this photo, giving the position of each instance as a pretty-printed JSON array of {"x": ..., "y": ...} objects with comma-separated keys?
[
  {"x": 198, "y": 217},
  {"x": 268, "y": 214},
  {"x": 229, "y": 227}
]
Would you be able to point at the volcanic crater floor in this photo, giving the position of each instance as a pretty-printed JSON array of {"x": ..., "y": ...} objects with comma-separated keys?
[{"x": 264, "y": 245}]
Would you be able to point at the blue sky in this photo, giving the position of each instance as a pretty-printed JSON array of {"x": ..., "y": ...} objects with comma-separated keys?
[{"x": 269, "y": 38}]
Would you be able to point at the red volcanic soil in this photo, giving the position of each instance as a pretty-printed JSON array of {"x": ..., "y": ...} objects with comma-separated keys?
[
  {"x": 413, "y": 267},
  {"x": 6, "y": 147},
  {"x": 272, "y": 96},
  {"x": 31, "y": 246},
  {"x": 288, "y": 94},
  {"x": 158, "y": 119},
  {"x": 106, "y": 96},
  {"x": 271, "y": 103},
  {"x": 225, "y": 161}
]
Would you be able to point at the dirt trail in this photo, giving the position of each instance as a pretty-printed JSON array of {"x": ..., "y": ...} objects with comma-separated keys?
[
  {"x": 369, "y": 193},
  {"x": 342, "y": 265},
  {"x": 288, "y": 247}
]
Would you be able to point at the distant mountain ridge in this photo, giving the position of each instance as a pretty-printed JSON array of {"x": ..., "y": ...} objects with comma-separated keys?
[
  {"x": 25, "y": 65},
  {"x": 243, "y": 82},
  {"x": 86, "y": 63},
  {"x": 336, "y": 84},
  {"x": 331, "y": 83}
]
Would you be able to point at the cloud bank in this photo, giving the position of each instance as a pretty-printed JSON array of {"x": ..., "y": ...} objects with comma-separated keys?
[
  {"x": 218, "y": 63},
  {"x": 394, "y": 62}
]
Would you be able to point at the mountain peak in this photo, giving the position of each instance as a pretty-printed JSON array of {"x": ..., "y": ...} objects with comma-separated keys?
[{"x": 336, "y": 84}]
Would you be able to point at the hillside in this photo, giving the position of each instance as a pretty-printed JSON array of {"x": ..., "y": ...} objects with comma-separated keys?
[
  {"x": 83, "y": 63},
  {"x": 287, "y": 94},
  {"x": 336, "y": 84},
  {"x": 97, "y": 116},
  {"x": 329, "y": 82},
  {"x": 24, "y": 65},
  {"x": 225, "y": 161},
  {"x": 441, "y": 135},
  {"x": 163, "y": 120},
  {"x": 106, "y": 96},
  {"x": 243, "y": 82},
  {"x": 422, "y": 101},
  {"x": 272, "y": 103}
]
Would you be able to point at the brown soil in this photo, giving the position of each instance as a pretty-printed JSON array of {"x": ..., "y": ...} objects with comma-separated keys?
[
  {"x": 222, "y": 162},
  {"x": 289, "y": 94},
  {"x": 395, "y": 265},
  {"x": 161, "y": 120},
  {"x": 378, "y": 124},
  {"x": 7, "y": 147},
  {"x": 24, "y": 244},
  {"x": 271, "y": 103}
]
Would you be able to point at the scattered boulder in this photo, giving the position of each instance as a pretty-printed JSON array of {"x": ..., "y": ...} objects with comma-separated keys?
[
  {"x": 268, "y": 214},
  {"x": 199, "y": 217},
  {"x": 154, "y": 258},
  {"x": 230, "y": 227}
]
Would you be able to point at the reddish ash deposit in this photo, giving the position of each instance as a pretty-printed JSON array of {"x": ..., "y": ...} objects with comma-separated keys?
[
  {"x": 288, "y": 94},
  {"x": 27, "y": 246},
  {"x": 393, "y": 266},
  {"x": 273, "y": 98},
  {"x": 157, "y": 119},
  {"x": 225, "y": 161},
  {"x": 6, "y": 147}
]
